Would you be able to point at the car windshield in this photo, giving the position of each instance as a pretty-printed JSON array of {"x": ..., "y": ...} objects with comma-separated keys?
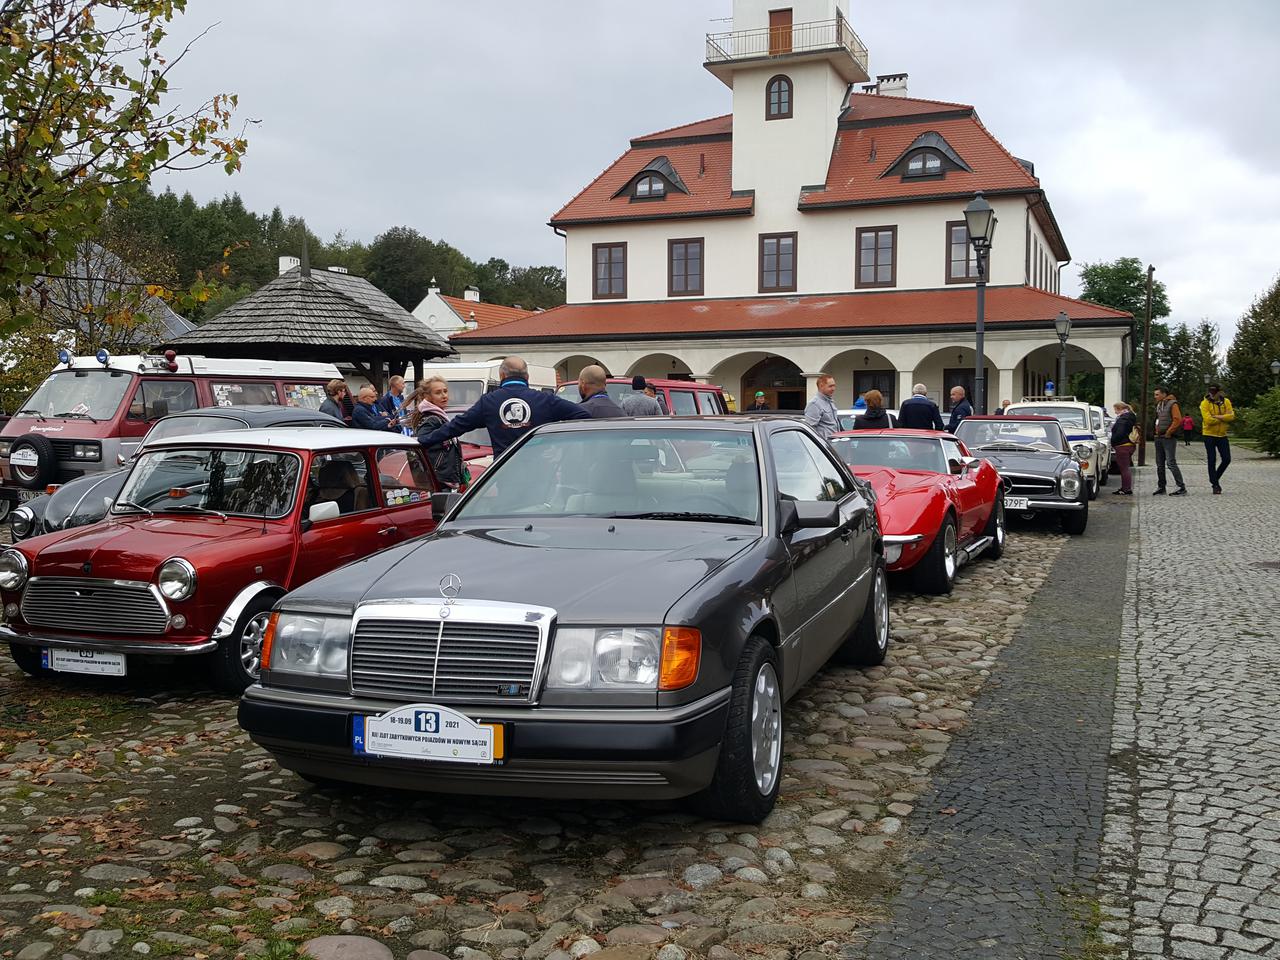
[
  {"x": 255, "y": 483},
  {"x": 899, "y": 453},
  {"x": 78, "y": 393},
  {"x": 1009, "y": 433},
  {"x": 190, "y": 426},
  {"x": 642, "y": 473},
  {"x": 1071, "y": 416}
]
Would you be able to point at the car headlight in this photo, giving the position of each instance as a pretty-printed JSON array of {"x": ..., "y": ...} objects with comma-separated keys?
[
  {"x": 87, "y": 451},
  {"x": 1083, "y": 450},
  {"x": 176, "y": 579},
  {"x": 310, "y": 644},
  {"x": 13, "y": 570},
  {"x": 611, "y": 658},
  {"x": 1069, "y": 483},
  {"x": 4, "y": 448},
  {"x": 21, "y": 521}
]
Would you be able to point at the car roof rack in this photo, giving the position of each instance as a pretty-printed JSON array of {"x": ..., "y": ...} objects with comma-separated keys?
[{"x": 1064, "y": 399}]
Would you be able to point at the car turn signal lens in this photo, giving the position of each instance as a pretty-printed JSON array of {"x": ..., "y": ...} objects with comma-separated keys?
[
  {"x": 268, "y": 640},
  {"x": 681, "y": 656}
]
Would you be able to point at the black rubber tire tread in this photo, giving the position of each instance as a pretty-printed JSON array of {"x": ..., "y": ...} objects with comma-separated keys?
[
  {"x": 1093, "y": 490},
  {"x": 28, "y": 660},
  {"x": 46, "y": 463},
  {"x": 930, "y": 574},
  {"x": 733, "y": 794},
  {"x": 1075, "y": 522},
  {"x": 996, "y": 550},
  {"x": 862, "y": 649},
  {"x": 228, "y": 674}
]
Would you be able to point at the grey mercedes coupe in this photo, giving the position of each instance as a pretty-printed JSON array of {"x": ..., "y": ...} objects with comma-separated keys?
[{"x": 618, "y": 608}]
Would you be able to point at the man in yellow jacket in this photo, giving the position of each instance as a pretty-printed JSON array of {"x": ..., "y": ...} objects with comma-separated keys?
[{"x": 1215, "y": 415}]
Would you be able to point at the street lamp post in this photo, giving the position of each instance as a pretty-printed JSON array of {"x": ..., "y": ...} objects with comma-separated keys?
[
  {"x": 1275, "y": 373},
  {"x": 1062, "y": 324},
  {"x": 980, "y": 221}
]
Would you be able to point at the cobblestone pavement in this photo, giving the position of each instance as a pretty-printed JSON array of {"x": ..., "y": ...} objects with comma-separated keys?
[
  {"x": 135, "y": 818},
  {"x": 1192, "y": 851},
  {"x": 1007, "y": 837}
]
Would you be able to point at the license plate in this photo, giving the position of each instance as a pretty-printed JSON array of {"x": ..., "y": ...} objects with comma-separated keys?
[
  {"x": 1015, "y": 503},
  {"x": 25, "y": 495},
  {"x": 96, "y": 662},
  {"x": 426, "y": 731}
]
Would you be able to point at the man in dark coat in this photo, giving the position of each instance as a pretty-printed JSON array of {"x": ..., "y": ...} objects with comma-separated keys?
[
  {"x": 509, "y": 412},
  {"x": 592, "y": 384},
  {"x": 368, "y": 416},
  {"x": 919, "y": 413},
  {"x": 961, "y": 409}
]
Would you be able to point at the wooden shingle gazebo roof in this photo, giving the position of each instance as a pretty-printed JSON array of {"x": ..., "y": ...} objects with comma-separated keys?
[{"x": 321, "y": 315}]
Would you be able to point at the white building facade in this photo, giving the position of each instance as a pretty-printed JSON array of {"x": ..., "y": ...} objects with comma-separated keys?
[{"x": 817, "y": 228}]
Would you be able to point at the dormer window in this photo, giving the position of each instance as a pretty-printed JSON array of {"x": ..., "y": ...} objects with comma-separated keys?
[
  {"x": 926, "y": 163},
  {"x": 650, "y": 187},
  {"x": 778, "y": 98}
]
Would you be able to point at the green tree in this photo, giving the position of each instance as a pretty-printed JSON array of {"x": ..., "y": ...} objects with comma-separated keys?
[
  {"x": 1122, "y": 285},
  {"x": 400, "y": 263},
  {"x": 85, "y": 119},
  {"x": 1256, "y": 345}
]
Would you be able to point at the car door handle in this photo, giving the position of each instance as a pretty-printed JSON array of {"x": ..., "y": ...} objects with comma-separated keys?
[
  {"x": 387, "y": 531},
  {"x": 846, "y": 534}
]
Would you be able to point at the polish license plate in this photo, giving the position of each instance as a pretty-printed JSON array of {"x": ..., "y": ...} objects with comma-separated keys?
[
  {"x": 95, "y": 662},
  {"x": 426, "y": 731},
  {"x": 25, "y": 495},
  {"x": 1015, "y": 503}
]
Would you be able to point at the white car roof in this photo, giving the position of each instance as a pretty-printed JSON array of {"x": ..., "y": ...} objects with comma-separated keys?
[
  {"x": 290, "y": 438},
  {"x": 209, "y": 366}
]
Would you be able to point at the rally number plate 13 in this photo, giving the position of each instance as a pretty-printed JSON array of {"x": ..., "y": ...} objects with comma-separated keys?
[
  {"x": 427, "y": 731},
  {"x": 95, "y": 662}
]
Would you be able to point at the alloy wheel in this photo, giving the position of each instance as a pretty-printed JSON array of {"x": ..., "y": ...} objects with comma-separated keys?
[
  {"x": 766, "y": 728},
  {"x": 949, "y": 551},
  {"x": 251, "y": 644},
  {"x": 1000, "y": 532},
  {"x": 881, "y": 601}
]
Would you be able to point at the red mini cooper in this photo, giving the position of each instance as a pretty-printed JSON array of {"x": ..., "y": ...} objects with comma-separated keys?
[{"x": 205, "y": 535}]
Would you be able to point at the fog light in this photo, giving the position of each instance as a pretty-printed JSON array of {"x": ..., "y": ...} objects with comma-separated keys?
[
  {"x": 11, "y": 611},
  {"x": 178, "y": 621},
  {"x": 892, "y": 553}
]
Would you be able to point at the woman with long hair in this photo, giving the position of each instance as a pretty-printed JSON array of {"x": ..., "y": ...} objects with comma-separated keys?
[
  {"x": 874, "y": 417},
  {"x": 426, "y": 413},
  {"x": 1123, "y": 443}
]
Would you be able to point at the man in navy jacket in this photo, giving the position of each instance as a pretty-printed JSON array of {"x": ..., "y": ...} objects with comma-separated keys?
[
  {"x": 919, "y": 413},
  {"x": 509, "y": 412},
  {"x": 367, "y": 415}
]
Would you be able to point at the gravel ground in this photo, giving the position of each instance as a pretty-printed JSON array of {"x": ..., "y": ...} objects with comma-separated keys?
[{"x": 136, "y": 818}]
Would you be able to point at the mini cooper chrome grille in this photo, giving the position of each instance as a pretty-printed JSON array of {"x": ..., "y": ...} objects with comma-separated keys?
[
  {"x": 434, "y": 659},
  {"x": 1023, "y": 486},
  {"x": 92, "y": 605}
]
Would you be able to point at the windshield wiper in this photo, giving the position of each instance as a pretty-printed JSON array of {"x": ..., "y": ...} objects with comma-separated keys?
[
  {"x": 72, "y": 413},
  {"x": 30, "y": 411},
  {"x": 1005, "y": 446},
  {"x": 135, "y": 506},
  {"x": 194, "y": 508},
  {"x": 683, "y": 515}
]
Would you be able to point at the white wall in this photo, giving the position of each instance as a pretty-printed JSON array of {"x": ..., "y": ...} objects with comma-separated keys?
[
  {"x": 754, "y": 14},
  {"x": 825, "y": 244}
]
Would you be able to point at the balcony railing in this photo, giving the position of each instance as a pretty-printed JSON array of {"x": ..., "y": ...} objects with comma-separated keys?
[{"x": 809, "y": 37}]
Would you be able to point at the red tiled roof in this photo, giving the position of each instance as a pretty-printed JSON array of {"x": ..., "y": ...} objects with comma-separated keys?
[
  {"x": 715, "y": 127},
  {"x": 763, "y": 316},
  {"x": 867, "y": 106},
  {"x": 486, "y": 314}
]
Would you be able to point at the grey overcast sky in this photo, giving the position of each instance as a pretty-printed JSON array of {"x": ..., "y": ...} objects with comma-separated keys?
[{"x": 1152, "y": 123}]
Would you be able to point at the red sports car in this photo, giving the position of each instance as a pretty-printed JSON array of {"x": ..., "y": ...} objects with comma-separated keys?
[{"x": 939, "y": 507}]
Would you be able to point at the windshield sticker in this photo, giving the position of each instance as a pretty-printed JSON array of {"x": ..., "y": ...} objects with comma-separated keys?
[{"x": 304, "y": 395}]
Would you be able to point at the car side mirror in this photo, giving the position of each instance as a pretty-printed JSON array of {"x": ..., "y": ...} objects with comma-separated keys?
[
  {"x": 955, "y": 466},
  {"x": 325, "y": 510},
  {"x": 817, "y": 514},
  {"x": 443, "y": 501},
  {"x": 972, "y": 463}
]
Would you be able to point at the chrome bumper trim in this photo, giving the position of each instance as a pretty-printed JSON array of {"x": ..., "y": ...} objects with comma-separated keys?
[
  {"x": 159, "y": 647},
  {"x": 1053, "y": 505},
  {"x": 903, "y": 538}
]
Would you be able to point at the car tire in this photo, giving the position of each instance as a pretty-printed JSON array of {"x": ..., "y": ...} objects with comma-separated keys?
[
  {"x": 1075, "y": 522},
  {"x": 868, "y": 645},
  {"x": 28, "y": 660},
  {"x": 936, "y": 571},
  {"x": 1093, "y": 488},
  {"x": 234, "y": 662},
  {"x": 4, "y": 510},
  {"x": 996, "y": 529},
  {"x": 749, "y": 769},
  {"x": 46, "y": 468}
]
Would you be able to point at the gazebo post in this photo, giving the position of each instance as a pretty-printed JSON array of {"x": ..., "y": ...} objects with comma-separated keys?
[{"x": 418, "y": 373}]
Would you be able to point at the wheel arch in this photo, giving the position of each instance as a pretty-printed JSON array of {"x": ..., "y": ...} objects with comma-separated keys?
[{"x": 231, "y": 616}]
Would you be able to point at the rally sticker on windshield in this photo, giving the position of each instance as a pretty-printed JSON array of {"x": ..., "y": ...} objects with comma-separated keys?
[{"x": 426, "y": 731}]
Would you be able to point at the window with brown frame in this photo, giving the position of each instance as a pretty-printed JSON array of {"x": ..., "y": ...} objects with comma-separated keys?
[
  {"x": 877, "y": 257},
  {"x": 962, "y": 263},
  {"x": 684, "y": 267},
  {"x": 610, "y": 260},
  {"x": 777, "y": 262},
  {"x": 777, "y": 105}
]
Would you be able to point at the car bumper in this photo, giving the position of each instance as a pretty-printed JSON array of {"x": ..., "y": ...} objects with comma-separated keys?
[
  {"x": 165, "y": 648},
  {"x": 560, "y": 753},
  {"x": 903, "y": 551},
  {"x": 1069, "y": 505}
]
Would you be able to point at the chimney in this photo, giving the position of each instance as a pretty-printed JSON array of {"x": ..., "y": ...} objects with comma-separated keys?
[
  {"x": 891, "y": 84},
  {"x": 471, "y": 321},
  {"x": 472, "y": 293},
  {"x": 337, "y": 269},
  {"x": 433, "y": 287},
  {"x": 288, "y": 263},
  {"x": 517, "y": 306}
]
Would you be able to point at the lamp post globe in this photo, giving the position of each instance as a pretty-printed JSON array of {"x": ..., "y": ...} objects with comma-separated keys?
[
  {"x": 980, "y": 221},
  {"x": 1062, "y": 324},
  {"x": 1275, "y": 371}
]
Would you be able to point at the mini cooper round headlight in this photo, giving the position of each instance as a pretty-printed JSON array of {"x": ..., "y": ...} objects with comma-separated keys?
[
  {"x": 1082, "y": 451},
  {"x": 13, "y": 570},
  {"x": 176, "y": 579},
  {"x": 21, "y": 521}
]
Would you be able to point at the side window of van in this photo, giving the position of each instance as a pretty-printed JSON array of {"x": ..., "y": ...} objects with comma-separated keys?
[
  {"x": 309, "y": 396},
  {"x": 233, "y": 394},
  {"x": 683, "y": 403},
  {"x": 707, "y": 402},
  {"x": 158, "y": 398}
]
